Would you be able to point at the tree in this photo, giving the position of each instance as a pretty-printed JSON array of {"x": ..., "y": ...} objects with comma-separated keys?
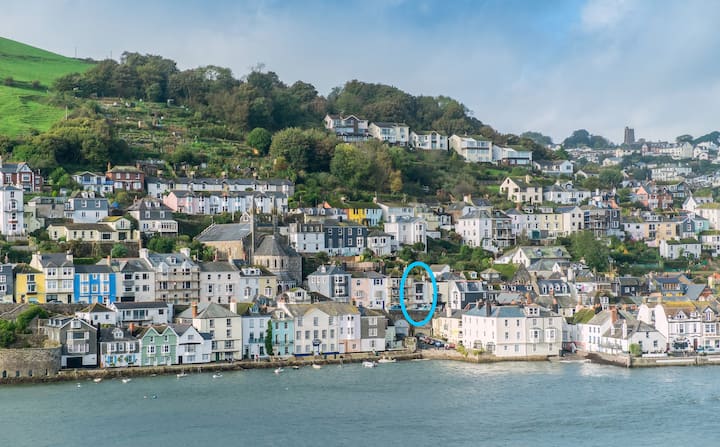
[
  {"x": 259, "y": 139},
  {"x": 322, "y": 257},
  {"x": 269, "y": 339},
  {"x": 119, "y": 251},
  {"x": 396, "y": 183},
  {"x": 610, "y": 177},
  {"x": 583, "y": 244},
  {"x": 160, "y": 244}
]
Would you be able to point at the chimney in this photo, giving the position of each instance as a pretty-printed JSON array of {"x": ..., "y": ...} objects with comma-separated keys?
[
  {"x": 613, "y": 314},
  {"x": 193, "y": 306},
  {"x": 528, "y": 298},
  {"x": 488, "y": 308},
  {"x": 69, "y": 256},
  {"x": 131, "y": 328},
  {"x": 555, "y": 306}
]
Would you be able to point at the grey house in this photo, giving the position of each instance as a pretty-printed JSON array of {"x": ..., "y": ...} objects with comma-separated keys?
[
  {"x": 7, "y": 283},
  {"x": 331, "y": 281},
  {"x": 118, "y": 348},
  {"x": 77, "y": 338}
]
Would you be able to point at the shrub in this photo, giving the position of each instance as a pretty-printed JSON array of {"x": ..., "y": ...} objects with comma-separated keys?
[{"x": 635, "y": 350}]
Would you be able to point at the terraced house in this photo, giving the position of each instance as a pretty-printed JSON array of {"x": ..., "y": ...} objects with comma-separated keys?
[
  {"x": 158, "y": 346},
  {"x": 94, "y": 284},
  {"x": 58, "y": 273},
  {"x": 177, "y": 277}
]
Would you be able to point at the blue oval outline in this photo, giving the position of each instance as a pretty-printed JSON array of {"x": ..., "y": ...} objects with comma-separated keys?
[{"x": 407, "y": 270}]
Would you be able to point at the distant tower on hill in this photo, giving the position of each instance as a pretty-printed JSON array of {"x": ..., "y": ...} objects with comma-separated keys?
[{"x": 629, "y": 136}]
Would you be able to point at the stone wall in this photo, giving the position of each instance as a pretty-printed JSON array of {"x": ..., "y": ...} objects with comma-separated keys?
[{"x": 30, "y": 363}]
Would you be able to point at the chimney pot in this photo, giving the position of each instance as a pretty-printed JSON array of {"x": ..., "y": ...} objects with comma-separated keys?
[{"x": 194, "y": 308}]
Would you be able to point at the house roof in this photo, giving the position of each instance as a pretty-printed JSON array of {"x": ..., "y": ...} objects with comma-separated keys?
[
  {"x": 96, "y": 308},
  {"x": 271, "y": 246},
  {"x": 329, "y": 307},
  {"x": 140, "y": 305},
  {"x": 224, "y": 232},
  {"x": 208, "y": 310}
]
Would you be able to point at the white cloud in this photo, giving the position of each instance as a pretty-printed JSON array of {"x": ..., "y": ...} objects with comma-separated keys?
[{"x": 648, "y": 65}]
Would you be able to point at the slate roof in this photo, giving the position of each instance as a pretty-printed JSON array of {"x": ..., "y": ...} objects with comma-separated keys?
[
  {"x": 96, "y": 308},
  {"x": 224, "y": 232},
  {"x": 92, "y": 268},
  {"x": 271, "y": 246},
  {"x": 140, "y": 305},
  {"x": 208, "y": 310}
]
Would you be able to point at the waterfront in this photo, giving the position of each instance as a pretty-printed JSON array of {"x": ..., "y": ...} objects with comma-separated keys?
[{"x": 408, "y": 403}]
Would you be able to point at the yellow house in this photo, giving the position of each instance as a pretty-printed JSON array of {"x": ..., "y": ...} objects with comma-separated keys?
[
  {"x": 448, "y": 326},
  {"x": 363, "y": 213},
  {"x": 29, "y": 285},
  {"x": 267, "y": 283}
]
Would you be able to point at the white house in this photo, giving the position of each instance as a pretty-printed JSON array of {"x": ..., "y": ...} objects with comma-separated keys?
[
  {"x": 672, "y": 249},
  {"x": 142, "y": 314},
  {"x": 684, "y": 324},
  {"x": 11, "y": 211},
  {"x": 408, "y": 230},
  {"x": 625, "y": 333},
  {"x": 429, "y": 140},
  {"x": 192, "y": 346},
  {"x": 513, "y": 331},
  {"x": 391, "y": 133},
  {"x": 557, "y": 167},
  {"x": 471, "y": 149},
  {"x": 96, "y": 314},
  {"x": 223, "y": 325},
  {"x": 255, "y": 325},
  {"x": 325, "y": 327},
  {"x": 350, "y": 128}
]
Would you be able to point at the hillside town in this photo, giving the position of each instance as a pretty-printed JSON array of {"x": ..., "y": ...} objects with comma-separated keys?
[{"x": 271, "y": 279}]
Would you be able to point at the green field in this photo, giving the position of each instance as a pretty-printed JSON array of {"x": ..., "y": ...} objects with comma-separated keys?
[{"x": 22, "y": 107}]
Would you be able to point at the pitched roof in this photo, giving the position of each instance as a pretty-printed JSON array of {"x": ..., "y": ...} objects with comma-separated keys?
[
  {"x": 96, "y": 308},
  {"x": 208, "y": 310},
  {"x": 271, "y": 246},
  {"x": 224, "y": 232}
]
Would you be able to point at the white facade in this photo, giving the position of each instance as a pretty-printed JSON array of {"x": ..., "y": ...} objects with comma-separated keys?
[
  {"x": 391, "y": 133},
  {"x": 476, "y": 229},
  {"x": 472, "y": 150},
  {"x": 192, "y": 347},
  {"x": 11, "y": 211},
  {"x": 513, "y": 331},
  {"x": 670, "y": 249},
  {"x": 218, "y": 282},
  {"x": 429, "y": 141},
  {"x": 254, "y": 332},
  {"x": 408, "y": 230}
]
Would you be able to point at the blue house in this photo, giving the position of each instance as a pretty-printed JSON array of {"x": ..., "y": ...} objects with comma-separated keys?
[
  {"x": 94, "y": 284},
  {"x": 283, "y": 333}
]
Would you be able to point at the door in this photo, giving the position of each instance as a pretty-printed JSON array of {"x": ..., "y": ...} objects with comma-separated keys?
[{"x": 74, "y": 362}]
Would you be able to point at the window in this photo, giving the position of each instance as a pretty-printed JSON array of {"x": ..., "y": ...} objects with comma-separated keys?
[
  {"x": 166, "y": 349},
  {"x": 212, "y": 323},
  {"x": 316, "y": 321},
  {"x": 228, "y": 333},
  {"x": 298, "y": 335},
  {"x": 228, "y": 322},
  {"x": 372, "y": 332},
  {"x": 151, "y": 349}
]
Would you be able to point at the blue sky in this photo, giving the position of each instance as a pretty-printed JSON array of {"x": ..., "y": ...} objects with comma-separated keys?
[{"x": 551, "y": 66}]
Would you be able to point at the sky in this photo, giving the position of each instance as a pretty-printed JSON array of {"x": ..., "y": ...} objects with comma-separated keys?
[{"x": 550, "y": 66}]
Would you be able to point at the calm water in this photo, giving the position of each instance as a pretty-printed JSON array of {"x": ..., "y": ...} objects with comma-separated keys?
[{"x": 404, "y": 404}]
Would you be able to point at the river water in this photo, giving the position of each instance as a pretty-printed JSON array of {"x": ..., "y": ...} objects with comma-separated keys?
[{"x": 416, "y": 403}]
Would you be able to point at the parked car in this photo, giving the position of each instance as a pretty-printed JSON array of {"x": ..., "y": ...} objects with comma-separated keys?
[{"x": 438, "y": 344}]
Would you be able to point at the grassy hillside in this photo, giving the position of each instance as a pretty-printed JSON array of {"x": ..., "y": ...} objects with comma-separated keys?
[{"x": 22, "y": 107}]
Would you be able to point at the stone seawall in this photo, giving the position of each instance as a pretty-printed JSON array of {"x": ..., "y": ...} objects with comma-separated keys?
[
  {"x": 449, "y": 354},
  {"x": 109, "y": 373},
  {"x": 29, "y": 365}
]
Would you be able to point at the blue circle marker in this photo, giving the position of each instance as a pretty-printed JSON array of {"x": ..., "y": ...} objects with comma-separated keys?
[{"x": 402, "y": 293}]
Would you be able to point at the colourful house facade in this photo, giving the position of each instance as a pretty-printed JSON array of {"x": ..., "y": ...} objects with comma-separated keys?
[
  {"x": 29, "y": 285},
  {"x": 158, "y": 346}
]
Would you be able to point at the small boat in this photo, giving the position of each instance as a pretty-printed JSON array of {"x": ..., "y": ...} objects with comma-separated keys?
[
  {"x": 368, "y": 364},
  {"x": 97, "y": 379},
  {"x": 79, "y": 385},
  {"x": 278, "y": 370},
  {"x": 387, "y": 360},
  {"x": 316, "y": 366},
  {"x": 295, "y": 367},
  {"x": 126, "y": 380},
  {"x": 181, "y": 375},
  {"x": 217, "y": 376}
]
